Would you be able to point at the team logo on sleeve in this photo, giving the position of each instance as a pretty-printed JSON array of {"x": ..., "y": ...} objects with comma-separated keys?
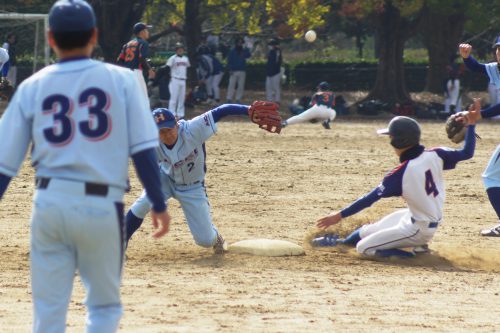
[{"x": 207, "y": 121}]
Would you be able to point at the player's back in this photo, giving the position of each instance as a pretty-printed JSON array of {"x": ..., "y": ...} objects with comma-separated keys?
[
  {"x": 81, "y": 120},
  {"x": 423, "y": 187}
]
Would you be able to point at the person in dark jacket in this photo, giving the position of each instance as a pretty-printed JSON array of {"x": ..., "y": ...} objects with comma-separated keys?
[
  {"x": 273, "y": 71},
  {"x": 236, "y": 64}
]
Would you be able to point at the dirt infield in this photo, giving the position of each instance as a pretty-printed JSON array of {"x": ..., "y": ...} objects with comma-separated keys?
[{"x": 268, "y": 186}]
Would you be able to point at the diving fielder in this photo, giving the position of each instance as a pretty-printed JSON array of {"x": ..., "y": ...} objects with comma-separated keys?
[
  {"x": 182, "y": 157},
  {"x": 418, "y": 180},
  {"x": 82, "y": 119}
]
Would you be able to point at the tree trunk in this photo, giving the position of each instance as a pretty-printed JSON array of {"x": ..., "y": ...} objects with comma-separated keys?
[
  {"x": 115, "y": 20},
  {"x": 442, "y": 33},
  {"x": 393, "y": 31},
  {"x": 193, "y": 34}
]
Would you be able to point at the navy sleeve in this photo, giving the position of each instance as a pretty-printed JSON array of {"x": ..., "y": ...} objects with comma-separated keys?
[
  {"x": 229, "y": 110},
  {"x": 474, "y": 66},
  {"x": 4, "y": 183},
  {"x": 490, "y": 112},
  {"x": 391, "y": 186},
  {"x": 146, "y": 165},
  {"x": 451, "y": 157}
]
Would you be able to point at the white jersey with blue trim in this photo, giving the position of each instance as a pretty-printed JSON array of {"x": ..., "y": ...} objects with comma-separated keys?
[
  {"x": 185, "y": 162},
  {"x": 420, "y": 182},
  {"x": 76, "y": 112}
]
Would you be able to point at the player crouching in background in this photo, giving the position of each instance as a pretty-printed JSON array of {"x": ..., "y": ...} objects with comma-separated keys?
[
  {"x": 419, "y": 180},
  {"x": 322, "y": 108}
]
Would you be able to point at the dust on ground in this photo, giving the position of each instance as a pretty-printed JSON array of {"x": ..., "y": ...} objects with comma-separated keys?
[{"x": 264, "y": 185}]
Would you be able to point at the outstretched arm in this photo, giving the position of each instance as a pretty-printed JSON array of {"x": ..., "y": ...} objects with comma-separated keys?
[
  {"x": 471, "y": 63},
  {"x": 229, "y": 110}
]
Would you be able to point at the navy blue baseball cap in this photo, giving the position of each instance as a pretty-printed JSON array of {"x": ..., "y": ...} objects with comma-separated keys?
[
  {"x": 405, "y": 132},
  {"x": 497, "y": 42},
  {"x": 164, "y": 118},
  {"x": 138, "y": 27},
  {"x": 71, "y": 16}
]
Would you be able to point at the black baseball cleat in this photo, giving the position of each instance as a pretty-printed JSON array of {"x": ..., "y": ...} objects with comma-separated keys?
[
  {"x": 284, "y": 124},
  {"x": 220, "y": 246},
  {"x": 326, "y": 124},
  {"x": 492, "y": 232}
]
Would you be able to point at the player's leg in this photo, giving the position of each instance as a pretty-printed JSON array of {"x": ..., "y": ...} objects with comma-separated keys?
[
  {"x": 141, "y": 207},
  {"x": 491, "y": 178},
  {"x": 231, "y": 86},
  {"x": 181, "y": 100},
  {"x": 99, "y": 233},
  {"x": 172, "y": 103},
  {"x": 313, "y": 112},
  {"x": 208, "y": 86},
  {"x": 142, "y": 82},
  {"x": 194, "y": 203},
  {"x": 216, "y": 87},
  {"x": 241, "y": 85},
  {"x": 269, "y": 91},
  {"x": 277, "y": 87},
  {"x": 53, "y": 264},
  {"x": 386, "y": 238}
]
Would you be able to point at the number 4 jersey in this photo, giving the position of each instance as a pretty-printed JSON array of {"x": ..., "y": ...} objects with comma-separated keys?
[
  {"x": 84, "y": 117},
  {"x": 420, "y": 182}
]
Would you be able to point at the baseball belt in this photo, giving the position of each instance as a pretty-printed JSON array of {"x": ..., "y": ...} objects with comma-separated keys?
[{"x": 42, "y": 183}]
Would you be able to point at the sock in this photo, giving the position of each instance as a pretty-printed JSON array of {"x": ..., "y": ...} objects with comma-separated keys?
[
  {"x": 133, "y": 223},
  {"x": 394, "y": 253},
  {"x": 494, "y": 196},
  {"x": 352, "y": 239}
]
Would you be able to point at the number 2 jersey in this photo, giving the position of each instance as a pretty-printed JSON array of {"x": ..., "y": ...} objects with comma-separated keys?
[
  {"x": 419, "y": 180},
  {"x": 84, "y": 118},
  {"x": 184, "y": 163}
]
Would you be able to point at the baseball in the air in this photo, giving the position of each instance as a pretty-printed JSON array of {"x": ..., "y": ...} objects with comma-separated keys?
[{"x": 310, "y": 36}]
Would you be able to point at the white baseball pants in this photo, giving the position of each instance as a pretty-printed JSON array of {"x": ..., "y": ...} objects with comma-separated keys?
[
  {"x": 321, "y": 112},
  {"x": 215, "y": 86},
  {"x": 395, "y": 231},
  {"x": 453, "y": 96},
  {"x": 177, "y": 89},
  {"x": 142, "y": 82},
  {"x": 273, "y": 88},
  {"x": 236, "y": 84}
]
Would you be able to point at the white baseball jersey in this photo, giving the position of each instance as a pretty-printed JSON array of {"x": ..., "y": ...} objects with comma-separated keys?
[
  {"x": 185, "y": 162},
  {"x": 178, "y": 66},
  {"x": 75, "y": 115},
  {"x": 4, "y": 57},
  {"x": 420, "y": 182}
]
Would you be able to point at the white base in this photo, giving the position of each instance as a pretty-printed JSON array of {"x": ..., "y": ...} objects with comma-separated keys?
[{"x": 266, "y": 247}]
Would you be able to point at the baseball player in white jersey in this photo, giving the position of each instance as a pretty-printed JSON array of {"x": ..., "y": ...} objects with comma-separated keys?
[
  {"x": 419, "y": 180},
  {"x": 178, "y": 64},
  {"x": 321, "y": 109},
  {"x": 84, "y": 119},
  {"x": 182, "y": 156}
]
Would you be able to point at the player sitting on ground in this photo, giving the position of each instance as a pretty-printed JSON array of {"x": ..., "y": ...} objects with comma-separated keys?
[
  {"x": 182, "y": 157},
  {"x": 322, "y": 108},
  {"x": 419, "y": 180}
]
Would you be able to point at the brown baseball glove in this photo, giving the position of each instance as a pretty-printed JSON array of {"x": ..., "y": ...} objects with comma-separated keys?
[
  {"x": 266, "y": 115},
  {"x": 6, "y": 89},
  {"x": 456, "y": 129}
]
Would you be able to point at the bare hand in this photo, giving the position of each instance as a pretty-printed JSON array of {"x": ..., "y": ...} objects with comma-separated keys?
[
  {"x": 471, "y": 116},
  {"x": 161, "y": 223},
  {"x": 465, "y": 50},
  {"x": 331, "y": 219}
]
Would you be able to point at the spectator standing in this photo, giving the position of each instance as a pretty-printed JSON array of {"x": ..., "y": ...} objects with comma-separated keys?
[
  {"x": 236, "y": 64},
  {"x": 134, "y": 55},
  {"x": 11, "y": 65},
  {"x": 453, "y": 96},
  {"x": 217, "y": 73},
  {"x": 273, "y": 71},
  {"x": 178, "y": 64}
]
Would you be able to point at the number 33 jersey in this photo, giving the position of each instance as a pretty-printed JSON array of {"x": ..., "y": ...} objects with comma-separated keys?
[
  {"x": 420, "y": 182},
  {"x": 84, "y": 118},
  {"x": 185, "y": 162}
]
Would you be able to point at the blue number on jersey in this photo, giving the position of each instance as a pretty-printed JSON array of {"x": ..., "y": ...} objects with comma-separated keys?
[
  {"x": 97, "y": 102},
  {"x": 430, "y": 185},
  {"x": 61, "y": 119},
  {"x": 97, "y": 111}
]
